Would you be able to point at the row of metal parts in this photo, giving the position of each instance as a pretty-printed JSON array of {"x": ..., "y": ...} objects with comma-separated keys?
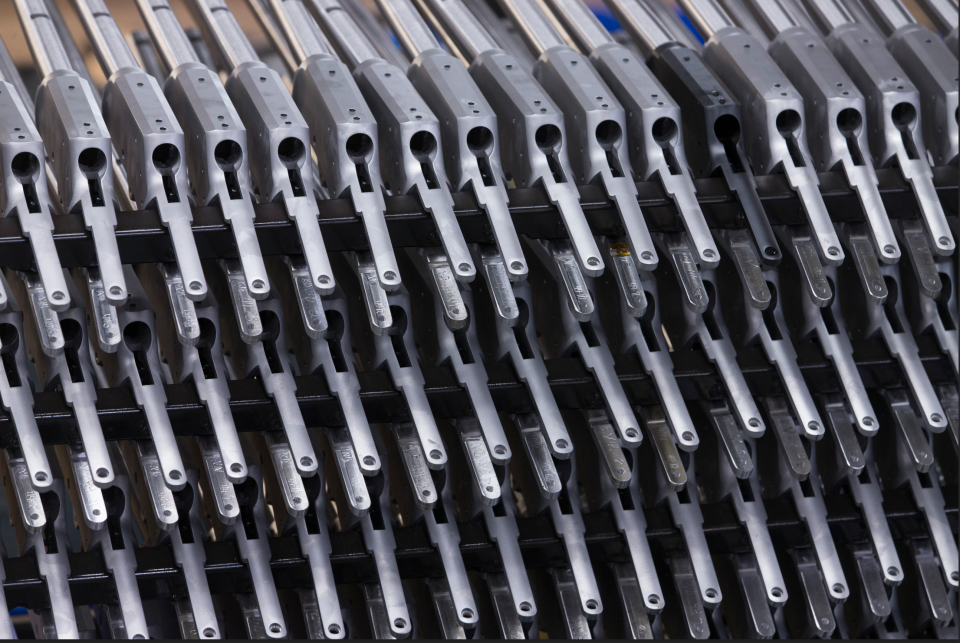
[{"x": 782, "y": 88}]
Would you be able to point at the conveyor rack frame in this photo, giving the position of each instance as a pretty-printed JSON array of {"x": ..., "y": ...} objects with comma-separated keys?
[{"x": 142, "y": 238}]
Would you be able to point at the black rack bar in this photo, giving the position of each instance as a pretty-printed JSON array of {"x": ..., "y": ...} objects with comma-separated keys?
[
  {"x": 572, "y": 385},
  {"x": 159, "y": 577},
  {"x": 142, "y": 238}
]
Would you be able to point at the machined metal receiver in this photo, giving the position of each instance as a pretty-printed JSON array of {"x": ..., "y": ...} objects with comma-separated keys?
[
  {"x": 216, "y": 140},
  {"x": 709, "y": 114},
  {"x": 534, "y": 148},
  {"x": 407, "y": 127},
  {"x": 835, "y": 112},
  {"x": 894, "y": 110},
  {"x": 471, "y": 147},
  {"x": 773, "y": 109},
  {"x": 151, "y": 142},
  {"x": 933, "y": 69},
  {"x": 595, "y": 121},
  {"x": 654, "y": 131},
  {"x": 345, "y": 135},
  {"x": 25, "y": 193},
  {"x": 284, "y": 171},
  {"x": 69, "y": 120}
]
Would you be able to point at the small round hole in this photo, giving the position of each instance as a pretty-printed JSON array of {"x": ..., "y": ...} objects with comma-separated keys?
[
  {"x": 72, "y": 332},
  {"x": 849, "y": 121},
  {"x": 166, "y": 158},
  {"x": 423, "y": 146},
  {"x": 228, "y": 155},
  {"x": 664, "y": 131},
  {"x": 480, "y": 141},
  {"x": 727, "y": 129},
  {"x": 904, "y": 115},
  {"x": 137, "y": 336},
  {"x": 25, "y": 167},
  {"x": 788, "y": 122},
  {"x": 291, "y": 151},
  {"x": 549, "y": 139},
  {"x": 609, "y": 134},
  {"x": 91, "y": 162},
  {"x": 359, "y": 148}
]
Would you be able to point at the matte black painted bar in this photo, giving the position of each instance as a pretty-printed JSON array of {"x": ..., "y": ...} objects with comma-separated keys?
[{"x": 142, "y": 239}]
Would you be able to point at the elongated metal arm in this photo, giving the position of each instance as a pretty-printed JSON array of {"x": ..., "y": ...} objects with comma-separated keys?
[
  {"x": 889, "y": 15},
  {"x": 582, "y": 23},
  {"x": 48, "y": 52},
  {"x": 469, "y": 35},
  {"x": 108, "y": 42},
  {"x": 772, "y": 16},
  {"x": 411, "y": 30},
  {"x": 300, "y": 29},
  {"x": 537, "y": 30},
  {"x": 707, "y": 16},
  {"x": 827, "y": 15},
  {"x": 350, "y": 41},
  {"x": 171, "y": 42},
  {"x": 648, "y": 31}
]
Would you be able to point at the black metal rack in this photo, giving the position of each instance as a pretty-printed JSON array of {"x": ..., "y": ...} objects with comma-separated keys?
[{"x": 142, "y": 239}]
